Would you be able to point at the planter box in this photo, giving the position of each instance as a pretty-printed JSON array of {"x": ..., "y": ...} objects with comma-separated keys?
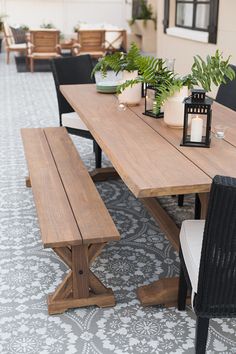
[{"x": 146, "y": 32}]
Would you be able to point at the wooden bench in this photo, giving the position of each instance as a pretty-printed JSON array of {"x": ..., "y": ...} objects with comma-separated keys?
[{"x": 73, "y": 219}]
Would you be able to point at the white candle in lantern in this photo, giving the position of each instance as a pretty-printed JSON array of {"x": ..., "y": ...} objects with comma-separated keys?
[{"x": 196, "y": 129}]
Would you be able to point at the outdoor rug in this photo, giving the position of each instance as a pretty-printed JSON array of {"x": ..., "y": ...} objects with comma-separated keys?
[
  {"x": 39, "y": 65},
  {"x": 28, "y": 272}
]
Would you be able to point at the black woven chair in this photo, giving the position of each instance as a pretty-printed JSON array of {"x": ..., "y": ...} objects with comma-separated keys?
[
  {"x": 208, "y": 259},
  {"x": 226, "y": 94},
  {"x": 69, "y": 71}
]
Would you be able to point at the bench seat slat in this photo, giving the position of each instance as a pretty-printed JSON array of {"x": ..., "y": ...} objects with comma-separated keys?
[
  {"x": 56, "y": 220},
  {"x": 93, "y": 219}
]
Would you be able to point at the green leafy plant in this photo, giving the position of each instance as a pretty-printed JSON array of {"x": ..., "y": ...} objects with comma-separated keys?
[
  {"x": 146, "y": 13},
  {"x": 47, "y": 25},
  {"x": 24, "y": 27},
  {"x": 213, "y": 70},
  {"x": 119, "y": 61}
]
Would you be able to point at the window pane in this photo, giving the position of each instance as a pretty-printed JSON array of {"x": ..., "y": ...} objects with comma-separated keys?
[
  {"x": 202, "y": 16},
  {"x": 184, "y": 15}
]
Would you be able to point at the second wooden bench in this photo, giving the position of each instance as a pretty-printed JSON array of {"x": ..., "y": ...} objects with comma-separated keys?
[{"x": 73, "y": 219}]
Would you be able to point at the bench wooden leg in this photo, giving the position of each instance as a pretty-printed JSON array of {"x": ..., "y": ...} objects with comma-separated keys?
[
  {"x": 27, "y": 182},
  {"x": 80, "y": 287},
  {"x": 104, "y": 174}
]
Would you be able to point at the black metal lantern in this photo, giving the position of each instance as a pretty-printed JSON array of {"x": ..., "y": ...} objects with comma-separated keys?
[
  {"x": 150, "y": 103},
  {"x": 197, "y": 120}
]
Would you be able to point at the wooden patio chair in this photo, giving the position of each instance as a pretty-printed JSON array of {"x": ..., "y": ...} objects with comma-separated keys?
[
  {"x": 91, "y": 42},
  {"x": 43, "y": 44},
  {"x": 115, "y": 40},
  {"x": 10, "y": 44}
]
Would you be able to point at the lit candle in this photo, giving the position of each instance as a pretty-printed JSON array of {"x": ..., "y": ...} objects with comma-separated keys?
[
  {"x": 196, "y": 129},
  {"x": 154, "y": 106}
]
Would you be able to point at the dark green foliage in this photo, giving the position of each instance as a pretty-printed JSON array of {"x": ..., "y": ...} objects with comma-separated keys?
[
  {"x": 48, "y": 25},
  {"x": 212, "y": 71},
  {"x": 203, "y": 73},
  {"x": 119, "y": 61},
  {"x": 146, "y": 13}
]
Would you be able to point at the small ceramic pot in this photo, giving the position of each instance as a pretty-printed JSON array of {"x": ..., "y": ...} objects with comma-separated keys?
[
  {"x": 174, "y": 109},
  {"x": 131, "y": 95}
]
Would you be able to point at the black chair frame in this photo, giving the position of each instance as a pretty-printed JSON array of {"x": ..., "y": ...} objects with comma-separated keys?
[
  {"x": 215, "y": 296},
  {"x": 226, "y": 94},
  {"x": 66, "y": 71}
]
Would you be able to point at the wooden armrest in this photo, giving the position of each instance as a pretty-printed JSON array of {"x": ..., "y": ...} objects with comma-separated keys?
[
  {"x": 76, "y": 49},
  {"x": 58, "y": 48},
  {"x": 29, "y": 47}
]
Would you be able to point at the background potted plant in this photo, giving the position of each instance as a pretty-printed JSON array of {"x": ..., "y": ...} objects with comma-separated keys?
[
  {"x": 143, "y": 25},
  {"x": 144, "y": 13},
  {"x": 47, "y": 25}
]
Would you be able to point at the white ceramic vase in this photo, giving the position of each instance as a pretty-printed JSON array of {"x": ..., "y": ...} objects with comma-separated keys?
[
  {"x": 131, "y": 95},
  {"x": 174, "y": 109}
]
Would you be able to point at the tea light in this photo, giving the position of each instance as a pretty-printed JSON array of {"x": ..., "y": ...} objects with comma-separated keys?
[
  {"x": 220, "y": 131},
  {"x": 196, "y": 129}
]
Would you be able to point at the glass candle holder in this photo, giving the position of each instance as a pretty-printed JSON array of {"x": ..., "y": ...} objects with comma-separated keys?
[
  {"x": 219, "y": 130},
  {"x": 170, "y": 64}
]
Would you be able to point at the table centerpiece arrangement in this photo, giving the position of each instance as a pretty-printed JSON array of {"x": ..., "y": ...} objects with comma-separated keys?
[
  {"x": 171, "y": 89},
  {"x": 168, "y": 89}
]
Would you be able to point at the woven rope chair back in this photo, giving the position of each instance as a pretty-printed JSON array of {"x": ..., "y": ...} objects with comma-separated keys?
[
  {"x": 226, "y": 94},
  {"x": 216, "y": 295},
  {"x": 70, "y": 71}
]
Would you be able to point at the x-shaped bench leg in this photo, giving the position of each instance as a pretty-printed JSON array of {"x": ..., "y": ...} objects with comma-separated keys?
[{"x": 80, "y": 287}]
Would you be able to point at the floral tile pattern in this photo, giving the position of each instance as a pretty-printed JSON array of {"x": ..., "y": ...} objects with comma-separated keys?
[{"x": 28, "y": 272}]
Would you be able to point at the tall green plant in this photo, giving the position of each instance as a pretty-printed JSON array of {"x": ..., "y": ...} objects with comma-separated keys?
[
  {"x": 146, "y": 13},
  {"x": 119, "y": 61},
  {"x": 214, "y": 70}
]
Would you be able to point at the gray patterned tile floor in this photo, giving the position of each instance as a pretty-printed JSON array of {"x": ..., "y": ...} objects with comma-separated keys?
[{"x": 28, "y": 272}]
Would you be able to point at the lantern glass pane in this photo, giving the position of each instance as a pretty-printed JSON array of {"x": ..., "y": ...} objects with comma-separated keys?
[{"x": 150, "y": 99}]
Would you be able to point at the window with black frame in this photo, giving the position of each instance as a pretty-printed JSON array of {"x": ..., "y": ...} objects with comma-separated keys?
[
  {"x": 197, "y": 15},
  {"x": 193, "y": 14}
]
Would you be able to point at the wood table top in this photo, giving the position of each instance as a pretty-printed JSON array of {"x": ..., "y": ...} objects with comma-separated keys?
[{"x": 145, "y": 152}]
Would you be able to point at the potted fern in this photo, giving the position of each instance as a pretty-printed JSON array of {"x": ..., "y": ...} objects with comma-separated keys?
[
  {"x": 128, "y": 65},
  {"x": 204, "y": 73}
]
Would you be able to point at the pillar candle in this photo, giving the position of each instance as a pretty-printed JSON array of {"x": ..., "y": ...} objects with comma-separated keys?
[{"x": 196, "y": 129}]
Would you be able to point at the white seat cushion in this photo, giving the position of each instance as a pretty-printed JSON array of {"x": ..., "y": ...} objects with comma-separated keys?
[
  {"x": 72, "y": 120},
  {"x": 191, "y": 235},
  {"x": 18, "y": 46}
]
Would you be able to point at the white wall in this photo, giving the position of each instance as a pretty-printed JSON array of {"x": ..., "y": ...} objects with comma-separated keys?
[
  {"x": 65, "y": 14},
  {"x": 183, "y": 50}
]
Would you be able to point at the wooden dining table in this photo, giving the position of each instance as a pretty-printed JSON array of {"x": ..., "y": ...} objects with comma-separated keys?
[{"x": 147, "y": 156}]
